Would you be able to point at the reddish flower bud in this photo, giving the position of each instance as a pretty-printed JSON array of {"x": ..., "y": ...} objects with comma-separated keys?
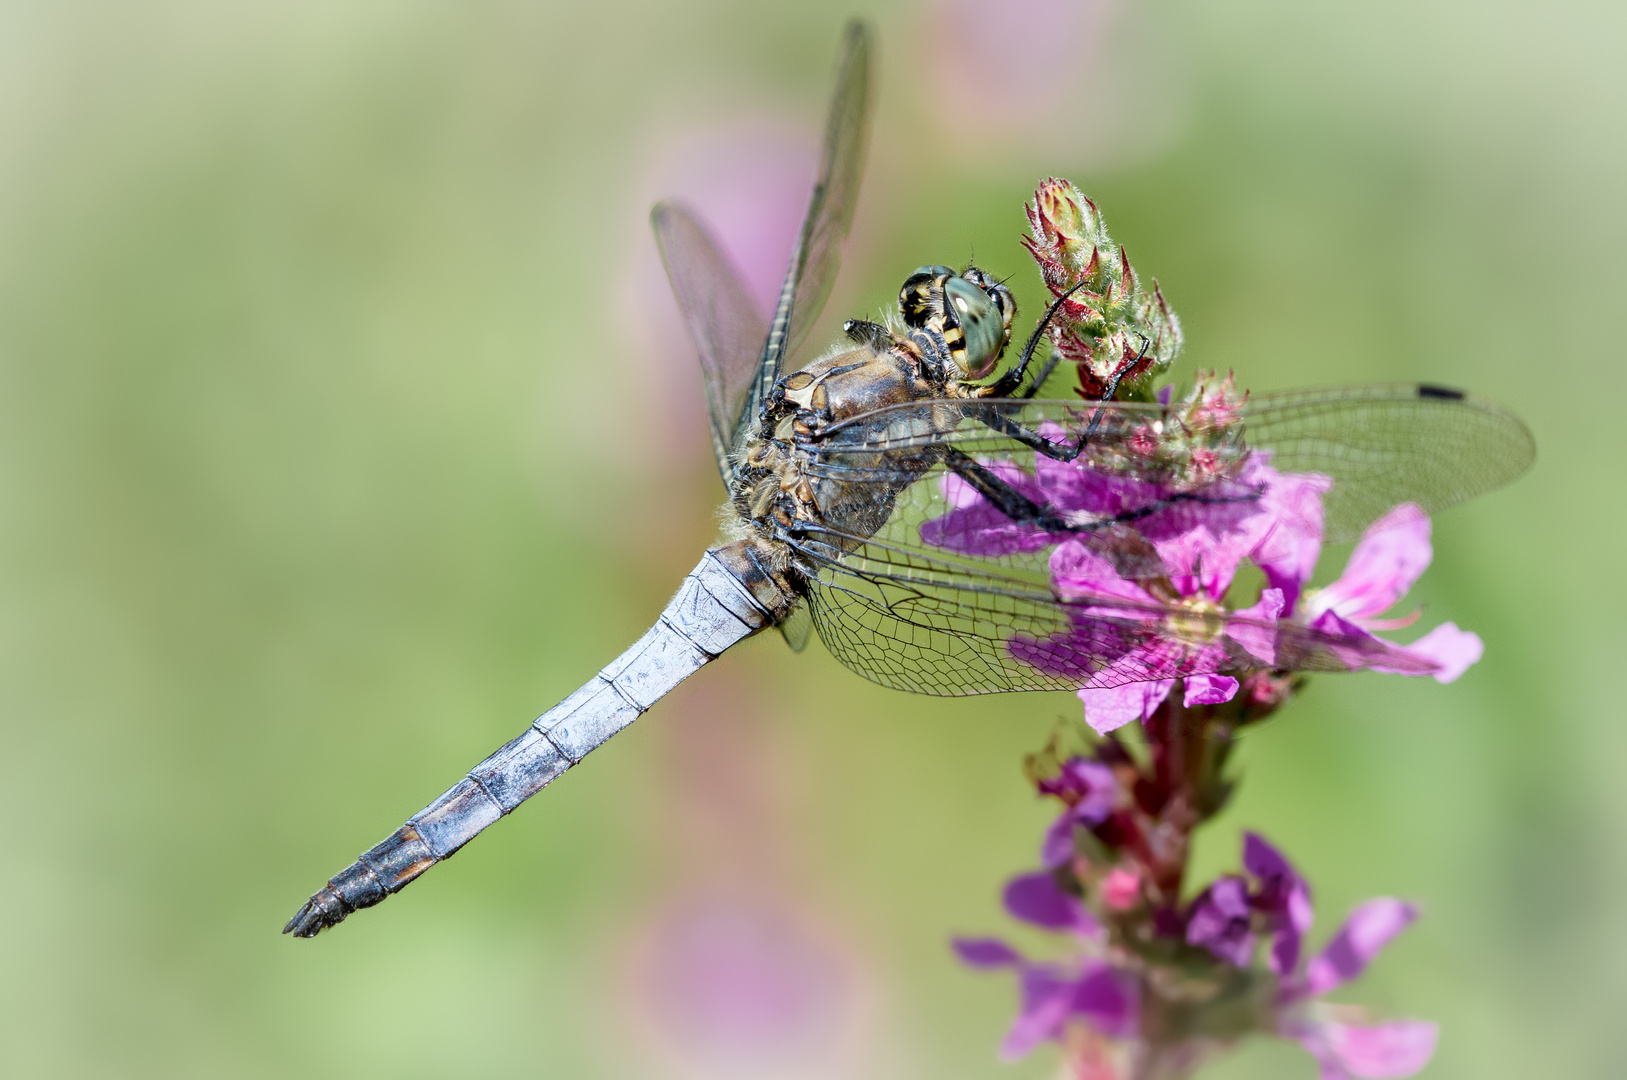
[{"x": 1115, "y": 334}]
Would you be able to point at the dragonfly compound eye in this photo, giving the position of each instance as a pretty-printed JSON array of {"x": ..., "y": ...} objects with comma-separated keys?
[{"x": 984, "y": 324}]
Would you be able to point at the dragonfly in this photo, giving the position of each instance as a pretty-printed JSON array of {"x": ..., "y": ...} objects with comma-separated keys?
[{"x": 863, "y": 485}]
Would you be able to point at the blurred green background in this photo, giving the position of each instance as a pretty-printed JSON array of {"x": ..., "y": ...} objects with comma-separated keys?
[{"x": 333, "y": 448}]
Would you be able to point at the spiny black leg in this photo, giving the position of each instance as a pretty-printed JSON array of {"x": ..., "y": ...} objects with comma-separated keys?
[
  {"x": 1062, "y": 451},
  {"x": 934, "y": 352},
  {"x": 1023, "y": 510},
  {"x": 1007, "y": 499},
  {"x": 1005, "y": 425},
  {"x": 1113, "y": 388},
  {"x": 864, "y": 332}
]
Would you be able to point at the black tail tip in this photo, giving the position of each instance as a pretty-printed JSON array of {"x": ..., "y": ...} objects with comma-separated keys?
[{"x": 321, "y": 911}]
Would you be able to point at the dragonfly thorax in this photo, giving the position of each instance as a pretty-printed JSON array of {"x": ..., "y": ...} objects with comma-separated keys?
[
  {"x": 774, "y": 486},
  {"x": 955, "y": 327}
]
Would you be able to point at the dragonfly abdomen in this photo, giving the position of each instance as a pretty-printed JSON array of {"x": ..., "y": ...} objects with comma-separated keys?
[{"x": 732, "y": 594}]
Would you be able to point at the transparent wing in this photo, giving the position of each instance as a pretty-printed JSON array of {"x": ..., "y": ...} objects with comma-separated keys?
[
  {"x": 1379, "y": 445},
  {"x": 797, "y": 628},
  {"x": 909, "y": 621},
  {"x": 723, "y": 319},
  {"x": 817, "y": 254},
  {"x": 934, "y": 569}
]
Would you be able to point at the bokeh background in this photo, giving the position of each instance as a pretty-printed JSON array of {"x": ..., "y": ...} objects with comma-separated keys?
[{"x": 342, "y": 431}]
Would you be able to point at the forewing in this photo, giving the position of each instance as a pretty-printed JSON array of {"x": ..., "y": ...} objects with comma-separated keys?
[
  {"x": 1390, "y": 444},
  {"x": 724, "y": 321},
  {"x": 817, "y": 255},
  {"x": 922, "y": 582},
  {"x": 1379, "y": 445}
]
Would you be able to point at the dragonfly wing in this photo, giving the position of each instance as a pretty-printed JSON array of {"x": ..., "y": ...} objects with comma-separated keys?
[
  {"x": 1390, "y": 444},
  {"x": 1379, "y": 445},
  {"x": 958, "y": 554},
  {"x": 723, "y": 318},
  {"x": 817, "y": 254},
  {"x": 910, "y": 621},
  {"x": 797, "y": 628}
]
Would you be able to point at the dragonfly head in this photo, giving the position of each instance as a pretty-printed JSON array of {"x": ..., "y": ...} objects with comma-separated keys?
[{"x": 970, "y": 309}]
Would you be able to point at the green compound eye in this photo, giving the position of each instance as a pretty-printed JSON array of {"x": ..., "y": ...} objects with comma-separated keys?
[{"x": 981, "y": 320}]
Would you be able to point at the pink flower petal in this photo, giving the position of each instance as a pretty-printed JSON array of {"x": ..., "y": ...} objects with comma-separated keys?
[
  {"x": 1209, "y": 689},
  {"x": 1082, "y": 574},
  {"x": 1368, "y": 929},
  {"x": 1262, "y": 859},
  {"x": 1108, "y": 1000},
  {"x": 1254, "y": 627},
  {"x": 1453, "y": 649},
  {"x": 975, "y": 526},
  {"x": 1289, "y": 551},
  {"x": 1388, "y": 559},
  {"x": 1394, "y": 1049},
  {"x": 1109, "y": 710},
  {"x": 1035, "y": 898},
  {"x": 1046, "y": 996},
  {"x": 1357, "y": 648},
  {"x": 985, "y": 952},
  {"x": 1202, "y": 544},
  {"x": 1057, "y": 847}
]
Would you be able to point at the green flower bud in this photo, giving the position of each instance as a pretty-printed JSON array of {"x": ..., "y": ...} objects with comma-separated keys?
[{"x": 1119, "y": 336}]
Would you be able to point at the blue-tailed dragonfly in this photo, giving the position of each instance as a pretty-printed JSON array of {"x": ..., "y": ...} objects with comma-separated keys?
[{"x": 864, "y": 487}]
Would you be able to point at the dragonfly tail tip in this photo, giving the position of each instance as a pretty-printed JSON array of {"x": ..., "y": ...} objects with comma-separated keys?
[{"x": 321, "y": 911}]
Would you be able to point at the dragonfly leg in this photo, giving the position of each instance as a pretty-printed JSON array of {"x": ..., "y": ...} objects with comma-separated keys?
[
  {"x": 1023, "y": 510},
  {"x": 1007, "y": 499},
  {"x": 1064, "y": 451}
]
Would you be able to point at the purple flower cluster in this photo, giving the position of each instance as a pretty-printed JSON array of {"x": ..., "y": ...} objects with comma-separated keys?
[
  {"x": 1134, "y": 635},
  {"x": 1154, "y": 531},
  {"x": 1116, "y": 982},
  {"x": 1224, "y": 917}
]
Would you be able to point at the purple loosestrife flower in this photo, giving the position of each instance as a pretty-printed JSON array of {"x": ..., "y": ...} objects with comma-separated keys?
[
  {"x": 1132, "y": 640},
  {"x": 1154, "y": 532},
  {"x": 1390, "y": 556},
  {"x": 1090, "y": 791},
  {"x": 1091, "y": 991},
  {"x": 1342, "y": 1048},
  {"x": 1282, "y": 897},
  {"x": 1220, "y": 921},
  {"x": 1202, "y": 547},
  {"x": 1176, "y": 1009},
  {"x": 1224, "y": 919}
]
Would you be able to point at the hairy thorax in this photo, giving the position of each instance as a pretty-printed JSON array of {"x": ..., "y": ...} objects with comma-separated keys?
[{"x": 788, "y": 478}]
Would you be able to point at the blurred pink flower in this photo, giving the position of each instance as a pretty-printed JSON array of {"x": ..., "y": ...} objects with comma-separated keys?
[
  {"x": 733, "y": 985},
  {"x": 1394, "y": 1048},
  {"x": 1005, "y": 65},
  {"x": 1226, "y": 920},
  {"x": 1053, "y": 994}
]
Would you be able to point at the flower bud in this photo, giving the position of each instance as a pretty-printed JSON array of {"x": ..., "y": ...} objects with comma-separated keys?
[{"x": 1117, "y": 335}]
